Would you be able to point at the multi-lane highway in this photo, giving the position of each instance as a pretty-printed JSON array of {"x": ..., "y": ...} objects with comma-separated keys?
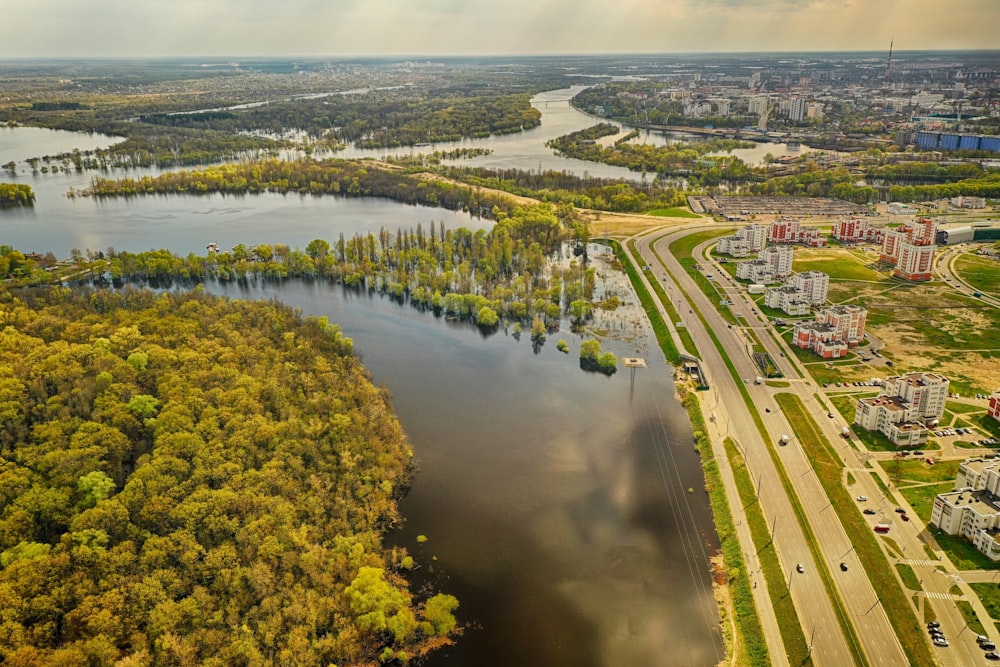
[{"x": 818, "y": 614}]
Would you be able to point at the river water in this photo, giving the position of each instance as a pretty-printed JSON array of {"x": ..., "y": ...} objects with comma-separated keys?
[{"x": 565, "y": 509}]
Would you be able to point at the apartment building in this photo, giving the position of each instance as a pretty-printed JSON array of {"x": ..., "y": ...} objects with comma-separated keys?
[
  {"x": 907, "y": 405},
  {"x": 857, "y": 230},
  {"x": 788, "y": 299},
  {"x": 785, "y": 230},
  {"x": 994, "y": 408},
  {"x": 814, "y": 285},
  {"x": 972, "y": 510},
  {"x": 746, "y": 241},
  {"x": 910, "y": 249}
]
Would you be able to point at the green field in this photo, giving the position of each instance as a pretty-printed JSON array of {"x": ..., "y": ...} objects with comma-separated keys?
[
  {"x": 921, "y": 498},
  {"x": 915, "y": 470},
  {"x": 674, "y": 212},
  {"x": 839, "y": 264},
  {"x": 989, "y": 595},
  {"x": 982, "y": 273}
]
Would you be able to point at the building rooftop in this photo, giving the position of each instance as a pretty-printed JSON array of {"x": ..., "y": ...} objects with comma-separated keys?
[
  {"x": 893, "y": 403},
  {"x": 920, "y": 379},
  {"x": 980, "y": 465},
  {"x": 980, "y": 502}
]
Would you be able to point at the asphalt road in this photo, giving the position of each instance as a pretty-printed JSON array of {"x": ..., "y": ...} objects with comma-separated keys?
[
  {"x": 911, "y": 536},
  {"x": 816, "y": 612}
]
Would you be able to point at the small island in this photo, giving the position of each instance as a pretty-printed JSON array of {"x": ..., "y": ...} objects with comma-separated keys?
[{"x": 13, "y": 195}]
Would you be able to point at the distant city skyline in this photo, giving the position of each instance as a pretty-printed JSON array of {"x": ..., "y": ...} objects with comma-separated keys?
[{"x": 155, "y": 28}]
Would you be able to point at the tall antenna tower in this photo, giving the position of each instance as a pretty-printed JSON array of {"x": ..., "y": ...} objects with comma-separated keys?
[{"x": 888, "y": 62}]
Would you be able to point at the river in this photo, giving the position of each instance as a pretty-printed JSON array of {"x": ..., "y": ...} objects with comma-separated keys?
[
  {"x": 555, "y": 501},
  {"x": 566, "y": 510}
]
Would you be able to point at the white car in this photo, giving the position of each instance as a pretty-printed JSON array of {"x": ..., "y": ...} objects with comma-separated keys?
[{"x": 862, "y": 499}]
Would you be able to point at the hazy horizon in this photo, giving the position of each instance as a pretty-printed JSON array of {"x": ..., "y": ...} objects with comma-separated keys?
[{"x": 476, "y": 28}]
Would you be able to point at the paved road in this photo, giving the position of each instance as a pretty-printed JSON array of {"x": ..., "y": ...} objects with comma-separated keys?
[
  {"x": 816, "y": 613},
  {"x": 909, "y": 536}
]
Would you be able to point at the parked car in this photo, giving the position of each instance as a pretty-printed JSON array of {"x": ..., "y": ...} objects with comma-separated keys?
[
  {"x": 800, "y": 568},
  {"x": 869, "y": 511},
  {"x": 992, "y": 655},
  {"x": 900, "y": 510},
  {"x": 862, "y": 499},
  {"x": 843, "y": 567},
  {"x": 904, "y": 517},
  {"x": 940, "y": 641}
]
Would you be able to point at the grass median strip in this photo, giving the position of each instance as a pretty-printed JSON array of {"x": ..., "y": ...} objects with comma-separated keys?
[
  {"x": 784, "y": 610},
  {"x": 829, "y": 468}
]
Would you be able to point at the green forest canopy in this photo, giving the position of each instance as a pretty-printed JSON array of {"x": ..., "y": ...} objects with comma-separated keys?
[{"x": 187, "y": 480}]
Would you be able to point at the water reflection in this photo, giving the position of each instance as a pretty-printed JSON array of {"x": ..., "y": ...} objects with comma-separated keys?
[{"x": 556, "y": 504}]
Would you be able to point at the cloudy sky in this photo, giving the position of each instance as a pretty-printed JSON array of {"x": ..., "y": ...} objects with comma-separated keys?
[{"x": 486, "y": 27}]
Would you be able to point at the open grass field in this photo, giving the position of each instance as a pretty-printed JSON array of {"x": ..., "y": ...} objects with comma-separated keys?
[
  {"x": 674, "y": 212},
  {"x": 911, "y": 471},
  {"x": 839, "y": 263},
  {"x": 982, "y": 273},
  {"x": 921, "y": 498}
]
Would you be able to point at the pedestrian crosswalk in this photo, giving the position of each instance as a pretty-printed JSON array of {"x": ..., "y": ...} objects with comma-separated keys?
[
  {"x": 943, "y": 596},
  {"x": 924, "y": 562}
]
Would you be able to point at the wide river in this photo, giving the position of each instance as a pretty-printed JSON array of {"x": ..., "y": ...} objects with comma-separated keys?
[{"x": 566, "y": 510}]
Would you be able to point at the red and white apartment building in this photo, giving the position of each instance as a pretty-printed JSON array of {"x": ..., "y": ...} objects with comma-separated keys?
[
  {"x": 833, "y": 332},
  {"x": 910, "y": 249},
  {"x": 787, "y": 231},
  {"x": 857, "y": 230}
]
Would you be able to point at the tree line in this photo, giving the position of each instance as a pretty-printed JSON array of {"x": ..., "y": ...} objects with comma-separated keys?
[
  {"x": 504, "y": 275},
  {"x": 192, "y": 480}
]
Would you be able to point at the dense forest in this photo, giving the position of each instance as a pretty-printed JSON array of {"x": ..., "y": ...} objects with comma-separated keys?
[
  {"x": 190, "y": 480},
  {"x": 374, "y": 119},
  {"x": 16, "y": 194}
]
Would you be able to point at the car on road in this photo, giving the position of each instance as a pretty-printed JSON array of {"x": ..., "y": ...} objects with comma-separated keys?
[
  {"x": 830, "y": 415},
  {"x": 934, "y": 624},
  {"x": 992, "y": 655},
  {"x": 800, "y": 568},
  {"x": 904, "y": 517},
  {"x": 862, "y": 499},
  {"x": 940, "y": 641},
  {"x": 988, "y": 646},
  {"x": 843, "y": 567},
  {"x": 982, "y": 638},
  {"x": 870, "y": 511},
  {"x": 900, "y": 510}
]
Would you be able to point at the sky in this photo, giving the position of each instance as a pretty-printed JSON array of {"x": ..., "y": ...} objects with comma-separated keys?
[{"x": 153, "y": 28}]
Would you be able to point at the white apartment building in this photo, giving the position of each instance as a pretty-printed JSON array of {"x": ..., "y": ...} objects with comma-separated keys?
[
  {"x": 907, "y": 404},
  {"x": 797, "y": 109},
  {"x": 755, "y": 270},
  {"x": 788, "y": 299},
  {"x": 813, "y": 285},
  {"x": 747, "y": 240},
  {"x": 926, "y": 392},
  {"x": 780, "y": 259},
  {"x": 972, "y": 510}
]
